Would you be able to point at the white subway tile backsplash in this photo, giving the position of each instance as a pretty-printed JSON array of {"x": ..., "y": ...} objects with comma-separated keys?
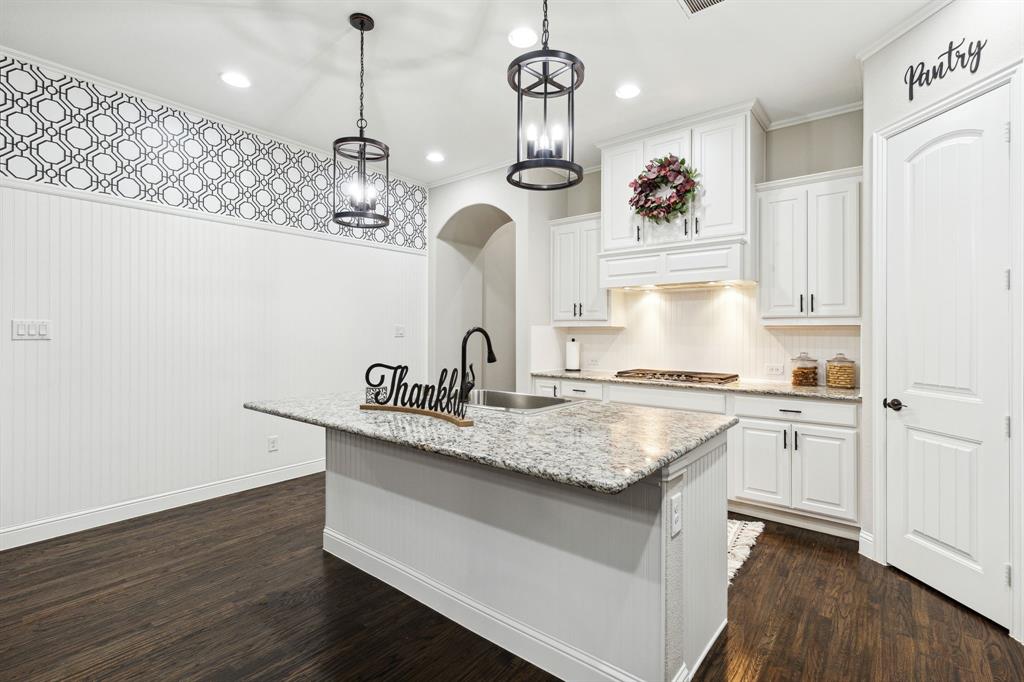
[{"x": 715, "y": 330}]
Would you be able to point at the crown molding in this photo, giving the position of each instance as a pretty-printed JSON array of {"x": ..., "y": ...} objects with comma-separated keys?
[
  {"x": 815, "y": 116},
  {"x": 752, "y": 107},
  {"x": 902, "y": 28},
  {"x": 120, "y": 87},
  {"x": 839, "y": 174}
]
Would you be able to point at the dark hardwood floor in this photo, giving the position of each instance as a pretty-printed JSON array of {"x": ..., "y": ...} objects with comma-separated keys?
[{"x": 238, "y": 588}]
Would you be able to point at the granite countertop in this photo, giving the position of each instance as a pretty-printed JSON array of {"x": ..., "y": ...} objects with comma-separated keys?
[
  {"x": 601, "y": 446},
  {"x": 778, "y": 388}
]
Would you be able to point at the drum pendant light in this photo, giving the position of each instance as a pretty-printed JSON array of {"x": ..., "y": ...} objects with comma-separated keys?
[
  {"x": 363, "y": 203},
  {"x": 545, "y": 82}
]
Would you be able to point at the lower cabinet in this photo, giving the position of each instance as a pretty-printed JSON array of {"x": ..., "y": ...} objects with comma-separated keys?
[
  {"x": 804, "y": 467},
  {"x": 547, "y": 387}
]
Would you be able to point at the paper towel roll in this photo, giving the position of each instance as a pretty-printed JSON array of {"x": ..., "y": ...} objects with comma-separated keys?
[{"x": 572, "y": 356}]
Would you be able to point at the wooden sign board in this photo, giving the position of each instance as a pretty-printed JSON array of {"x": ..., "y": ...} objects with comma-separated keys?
[{"x": 388, "y": 390}]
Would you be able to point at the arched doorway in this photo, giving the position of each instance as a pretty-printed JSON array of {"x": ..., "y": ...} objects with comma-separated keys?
[{"x": 475, "y": 285}]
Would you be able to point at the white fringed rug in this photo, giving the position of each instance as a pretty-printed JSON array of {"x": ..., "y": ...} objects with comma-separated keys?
[{"x": 742, "y": 536}]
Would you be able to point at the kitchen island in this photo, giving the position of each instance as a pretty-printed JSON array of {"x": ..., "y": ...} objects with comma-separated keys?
[{"x": 589, "y": 539}]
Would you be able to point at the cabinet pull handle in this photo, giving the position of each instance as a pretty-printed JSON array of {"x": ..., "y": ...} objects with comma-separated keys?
[
  {"x": 791, "y": 411},
  {"x": 638, "y": 234},
  {"x": 574, "y": 310},
  {"x": 801, "y": 302},
  {"x": 554, "y": 391},
  {"x": 696, "y": 225},
  {"x": 686, "y": 227},
  {"x": 579, "y": 390},
  {"x": 581, "y": 310},
  {"x": 812, "y": 303},
  {"x": 796, "y": 440},
  {"x": 784, "y": 446}
]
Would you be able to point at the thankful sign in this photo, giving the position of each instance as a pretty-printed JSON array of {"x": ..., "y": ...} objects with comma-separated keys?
[
  {"x": 388, "y": 389},
  {"x": 954, "y": 57}
]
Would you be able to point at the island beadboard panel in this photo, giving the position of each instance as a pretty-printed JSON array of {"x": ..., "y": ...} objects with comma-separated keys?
[{"x": 62, "y": 130}]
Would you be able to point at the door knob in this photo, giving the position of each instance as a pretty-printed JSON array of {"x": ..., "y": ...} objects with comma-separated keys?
[{"x": 895, "y": 404}]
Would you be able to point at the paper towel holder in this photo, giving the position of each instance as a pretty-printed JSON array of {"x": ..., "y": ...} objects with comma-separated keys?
[{"x": 572, "y": 356}]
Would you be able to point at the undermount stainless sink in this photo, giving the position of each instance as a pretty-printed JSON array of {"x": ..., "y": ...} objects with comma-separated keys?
[{"x": 518, "y": 403}]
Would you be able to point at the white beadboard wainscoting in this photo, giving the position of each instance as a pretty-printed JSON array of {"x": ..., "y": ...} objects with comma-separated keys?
[
  {"x": 163, "y": 323},
  {"x": 713, "y": 330}
]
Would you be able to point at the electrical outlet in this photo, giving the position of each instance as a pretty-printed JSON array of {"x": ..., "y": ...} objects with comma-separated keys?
[
  {"x": 773, "y": 370},
  {"x": 271, "y": 443},
  {"x": 399, "y": 331},
  {"x": 677, "y": 513},
  {"x": 590, "y": 363}
]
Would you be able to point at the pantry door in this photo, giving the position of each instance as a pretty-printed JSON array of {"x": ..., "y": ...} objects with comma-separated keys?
[{"x": 948, "y": 353}]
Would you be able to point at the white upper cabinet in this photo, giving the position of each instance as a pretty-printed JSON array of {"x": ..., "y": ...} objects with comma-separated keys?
[
  {"x": 622, "y": 228},
  {"x": 565, "y": 272},
  {"x": 719, "y": 155},
  {"x": 576, "y": 294},
  {"x": 783, "y": 229},
  {"x": 727, "y": 150},
  {"x": 833, "y": 248},
  {"x": 593, "y": 299},
  {"x": 810, "y": 249}
]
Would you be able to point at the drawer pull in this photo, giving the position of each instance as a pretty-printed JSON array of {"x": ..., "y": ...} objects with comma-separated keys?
[
  {"x": 784, "y": 439},
  {"x": 791, "y": 411},
  {"x": 579, "y": 390},
  {"x": 796, "y": 440}
]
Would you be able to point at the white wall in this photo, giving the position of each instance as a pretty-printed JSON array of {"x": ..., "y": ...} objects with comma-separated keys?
[
  {"x": 530, "y": 211},
  {"x": 498, "y": 264},
  {"x": 714, "y": 330},
  {"x": 585, "y": 197},
  {"x": 162, "y": 326},
  {"x": 886, "y": 101}
]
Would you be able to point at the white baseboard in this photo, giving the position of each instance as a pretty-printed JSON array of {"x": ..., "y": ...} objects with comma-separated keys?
[
  {"x": 685, "y": 675},
  {"x": 836, "y": 528},
  {"x": 544, "y": 651},
  {"x": 867, "y": 546},
  {"x": 45, "y": 529}
]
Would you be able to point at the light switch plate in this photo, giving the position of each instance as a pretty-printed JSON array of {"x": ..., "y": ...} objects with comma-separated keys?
[
  {"x": 399, "y": 331},
  {"x": 271, "y": 443},
  {"x": 31, "y": 330}
]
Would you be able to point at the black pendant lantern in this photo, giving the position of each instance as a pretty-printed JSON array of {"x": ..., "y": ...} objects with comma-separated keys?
[
  {"x": 363, "y": 203},
  {"x": 545, "y": 128}
]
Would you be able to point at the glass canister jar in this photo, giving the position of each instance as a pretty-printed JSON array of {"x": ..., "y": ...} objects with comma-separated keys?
[
  {"x": 840, "y": 372},
  {"x": 805, "y": 370}
]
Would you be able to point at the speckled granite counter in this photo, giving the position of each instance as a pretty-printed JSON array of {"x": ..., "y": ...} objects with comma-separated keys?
[
  {"x": 602, "y": 446},
  {"x": 751, "y": 387}
]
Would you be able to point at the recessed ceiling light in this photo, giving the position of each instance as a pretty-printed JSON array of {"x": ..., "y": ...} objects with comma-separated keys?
[
  {"x": 524, "y": 36},
  {"x": 627, "y": 91},
  {"x": 435, "y": 157},
  {"x": 235, "y": 79}
]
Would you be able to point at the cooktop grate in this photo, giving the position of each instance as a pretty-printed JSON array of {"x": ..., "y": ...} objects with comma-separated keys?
[{"x": 678, "y": 375}]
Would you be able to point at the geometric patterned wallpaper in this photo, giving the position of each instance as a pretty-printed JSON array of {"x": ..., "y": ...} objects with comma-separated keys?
[{"x": 61, "y": 130}]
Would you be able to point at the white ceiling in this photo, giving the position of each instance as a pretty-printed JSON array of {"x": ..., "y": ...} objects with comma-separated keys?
[{"x": 436, "y": 70}]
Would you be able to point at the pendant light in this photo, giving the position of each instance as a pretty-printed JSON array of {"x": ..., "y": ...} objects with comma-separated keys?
[
  {"x": 362, "y": 203},
  {"x": 544, "y": 79}
]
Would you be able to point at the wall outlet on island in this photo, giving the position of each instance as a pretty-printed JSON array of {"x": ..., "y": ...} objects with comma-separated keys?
[
  {"x": 399, "y": 331},
  {"x": 773, "y": 370},
  {"x": 271, "y": 443}
]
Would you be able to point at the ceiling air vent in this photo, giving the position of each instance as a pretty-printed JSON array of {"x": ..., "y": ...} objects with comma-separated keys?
[{"x": 691, "y": 7}]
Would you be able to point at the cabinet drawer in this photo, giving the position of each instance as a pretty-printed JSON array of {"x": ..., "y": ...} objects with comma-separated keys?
[
  {"x": 797, "y": 410},
  {"x": 549, "y": 387},
  {"x": 582, "y": 389},
  {"x": 679, "y": 399}
]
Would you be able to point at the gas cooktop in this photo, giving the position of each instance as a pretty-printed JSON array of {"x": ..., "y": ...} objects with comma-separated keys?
[{"x": 678, "y": 375}]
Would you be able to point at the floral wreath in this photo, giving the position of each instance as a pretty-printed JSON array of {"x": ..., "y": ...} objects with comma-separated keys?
[{"x": 665, "y": 189}]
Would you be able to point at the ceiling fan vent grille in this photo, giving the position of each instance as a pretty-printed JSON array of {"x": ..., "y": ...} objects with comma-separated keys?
[{"x": 694, "y": 6}]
